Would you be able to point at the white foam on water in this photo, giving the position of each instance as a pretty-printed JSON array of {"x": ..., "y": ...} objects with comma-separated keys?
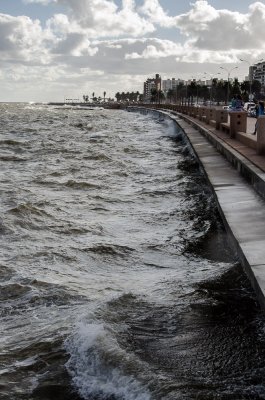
[{"x": 97, "y": 365}]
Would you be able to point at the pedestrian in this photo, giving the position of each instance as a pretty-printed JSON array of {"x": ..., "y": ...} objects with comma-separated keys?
[
  {"x": 233, "y": 103},
  {"x": 259, "y": 111},
  {"x": 239, "y": 103}
]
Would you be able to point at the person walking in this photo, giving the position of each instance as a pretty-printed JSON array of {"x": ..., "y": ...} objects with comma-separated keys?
[
  {"x": 259, "y": 111},
  {"x": 239, "y": 103}
]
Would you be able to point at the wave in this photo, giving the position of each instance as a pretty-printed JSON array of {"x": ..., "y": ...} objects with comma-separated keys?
[
  {"x": 27, "y": 209},
  {"x": 100, "y": 368},
  {"x": 12, "y": 158},
  {"x": 109, "y": 249},
  {"x": 31, "y": 294},
  {"x": 5, "y": 273},
  {"x": 99, "y": 156},
  {"x": 71, "y": 183},
  {"x": 83, "y": 126},
  {"x": 11, "y": 142},
  {"x": 13, "y": 291},
  {"x": 81, "y": 185}
]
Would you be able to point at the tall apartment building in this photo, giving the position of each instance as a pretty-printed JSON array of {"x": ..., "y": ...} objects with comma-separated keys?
[
  {"x": 257, "y": 72},
  {"x": 152, "y": 83},
  {"x": 169, "y": 84}
]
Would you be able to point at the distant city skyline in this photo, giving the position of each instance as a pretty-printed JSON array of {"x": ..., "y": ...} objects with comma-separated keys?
[{"x": 52, "y": 49}]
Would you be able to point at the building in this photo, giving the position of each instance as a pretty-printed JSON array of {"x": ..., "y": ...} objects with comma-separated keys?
[
  {"x": 170, "y": 84},
  {"x": 152, "y": 83},
  {"x": 257, "y": 72}
]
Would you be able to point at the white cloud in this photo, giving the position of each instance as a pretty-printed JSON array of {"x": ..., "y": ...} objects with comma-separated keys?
[
  {"x": 153, "y": 10},
  {"x": 213, "y": 29},
  {"x": 157, "y": 48},
  {"x": 102, "y": 18},
  {"x": 23, "y": 39}
]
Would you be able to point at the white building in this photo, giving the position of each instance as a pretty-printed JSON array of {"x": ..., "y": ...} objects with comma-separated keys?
[
  {"x": 257, "y": 72},
  {"x": 151, "y": 83},
  {"x": 171, "y": 84}
]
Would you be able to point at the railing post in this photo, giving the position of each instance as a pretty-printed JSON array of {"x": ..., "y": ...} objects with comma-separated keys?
[
  {"x": 238, "y": 122},
  {"x": 220, "y": 116},
  {"x": 261, "y": 134}
]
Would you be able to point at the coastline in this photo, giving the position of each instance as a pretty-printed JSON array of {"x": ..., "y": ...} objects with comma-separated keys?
[{"x": 241, "y": 207}]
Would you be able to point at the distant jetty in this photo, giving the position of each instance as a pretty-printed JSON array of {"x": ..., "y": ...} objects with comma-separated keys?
[{"x": 114, "y": 106}]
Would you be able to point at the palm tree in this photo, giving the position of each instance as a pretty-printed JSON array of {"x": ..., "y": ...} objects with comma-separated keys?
[{"x": 118, "y": 96}]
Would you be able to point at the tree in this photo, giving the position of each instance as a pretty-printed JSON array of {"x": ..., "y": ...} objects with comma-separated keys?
[
  {"x": 192, "y": 90},
  {"x": 154, "y": 95},
  {"x": 118, "y": 96},
  {"x": 104, "y": 95},
  {"x": 170, "y": 95},
  {"x": 220, "y": 91},
  {"x": 256, "y": 88},
  {"x": 161, "y": 96},
  {"x": 235, "y": 88},
  {"x": 123, "y": 96}
]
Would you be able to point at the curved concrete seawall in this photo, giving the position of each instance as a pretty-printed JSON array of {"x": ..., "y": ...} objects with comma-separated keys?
[{"x": 239, "y": 189}]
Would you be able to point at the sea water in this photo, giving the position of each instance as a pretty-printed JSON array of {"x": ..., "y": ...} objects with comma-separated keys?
[{"x": 117, "y": 279}]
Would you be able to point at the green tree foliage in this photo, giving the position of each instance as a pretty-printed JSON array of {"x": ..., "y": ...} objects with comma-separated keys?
[{"x": 127, "y": 97}]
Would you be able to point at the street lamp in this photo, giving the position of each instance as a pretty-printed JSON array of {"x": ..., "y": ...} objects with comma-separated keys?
[
  {"x": 211, "y": 92},
  {"x": 228, "y": 77},
  {"x": 250, "y": 77}
]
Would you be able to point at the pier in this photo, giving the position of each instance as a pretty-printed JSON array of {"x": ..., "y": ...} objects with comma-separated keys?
[{"x": 236, "y": 173}]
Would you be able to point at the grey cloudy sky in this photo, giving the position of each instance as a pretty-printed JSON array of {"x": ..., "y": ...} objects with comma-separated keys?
[{"x": 51, "y": 49}]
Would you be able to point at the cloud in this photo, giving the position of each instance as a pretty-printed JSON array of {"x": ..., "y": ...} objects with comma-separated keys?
[
  {"x": 214, "y": 30},
  {"x": 103, "y": 18},
  {"x": 23, "y": 39},
  {"x": 107, "y": 38},
  {"x": 156, "y": 14}
]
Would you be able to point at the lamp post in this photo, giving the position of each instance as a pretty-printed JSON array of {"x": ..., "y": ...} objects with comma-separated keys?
[
  {"x": 211, "y": 92},
  {"x": 250, "y": 79},
  {"x": 228, "y": 77}
]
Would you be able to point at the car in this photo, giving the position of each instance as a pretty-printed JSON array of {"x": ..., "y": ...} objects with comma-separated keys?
[
  {"x": 252, "y": 111},
  {"x": 248, "y": 104}
]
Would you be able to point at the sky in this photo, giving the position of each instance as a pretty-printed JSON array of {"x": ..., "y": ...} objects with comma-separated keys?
[{"x": 56, "y": 49}]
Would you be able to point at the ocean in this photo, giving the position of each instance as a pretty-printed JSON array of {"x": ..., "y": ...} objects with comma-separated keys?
[{"x": 117, "y": 278}]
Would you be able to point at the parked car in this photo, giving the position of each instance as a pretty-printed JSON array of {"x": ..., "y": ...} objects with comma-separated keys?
[
  {"x": 252, "y": 111},
  {"x": 248, "y": 104}
]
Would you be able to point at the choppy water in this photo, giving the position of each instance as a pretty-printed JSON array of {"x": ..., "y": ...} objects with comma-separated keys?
[{"x": 117, "y": 281}]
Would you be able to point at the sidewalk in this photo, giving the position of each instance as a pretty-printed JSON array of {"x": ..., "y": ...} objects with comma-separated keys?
[{"x": 247, "y": 152}]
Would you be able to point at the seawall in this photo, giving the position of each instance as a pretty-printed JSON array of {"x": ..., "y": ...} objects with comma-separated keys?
[{"x": 239, "y": 189}]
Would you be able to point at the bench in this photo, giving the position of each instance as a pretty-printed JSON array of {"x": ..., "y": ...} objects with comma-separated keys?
[
  {"x": 225, "y": 127},
  {"x": 212, "y": 122}
]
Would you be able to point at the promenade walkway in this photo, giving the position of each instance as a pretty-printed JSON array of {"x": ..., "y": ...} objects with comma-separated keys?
[
  {"x": 241, "y": 208},
  {"x": 246, "y": 151}
]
